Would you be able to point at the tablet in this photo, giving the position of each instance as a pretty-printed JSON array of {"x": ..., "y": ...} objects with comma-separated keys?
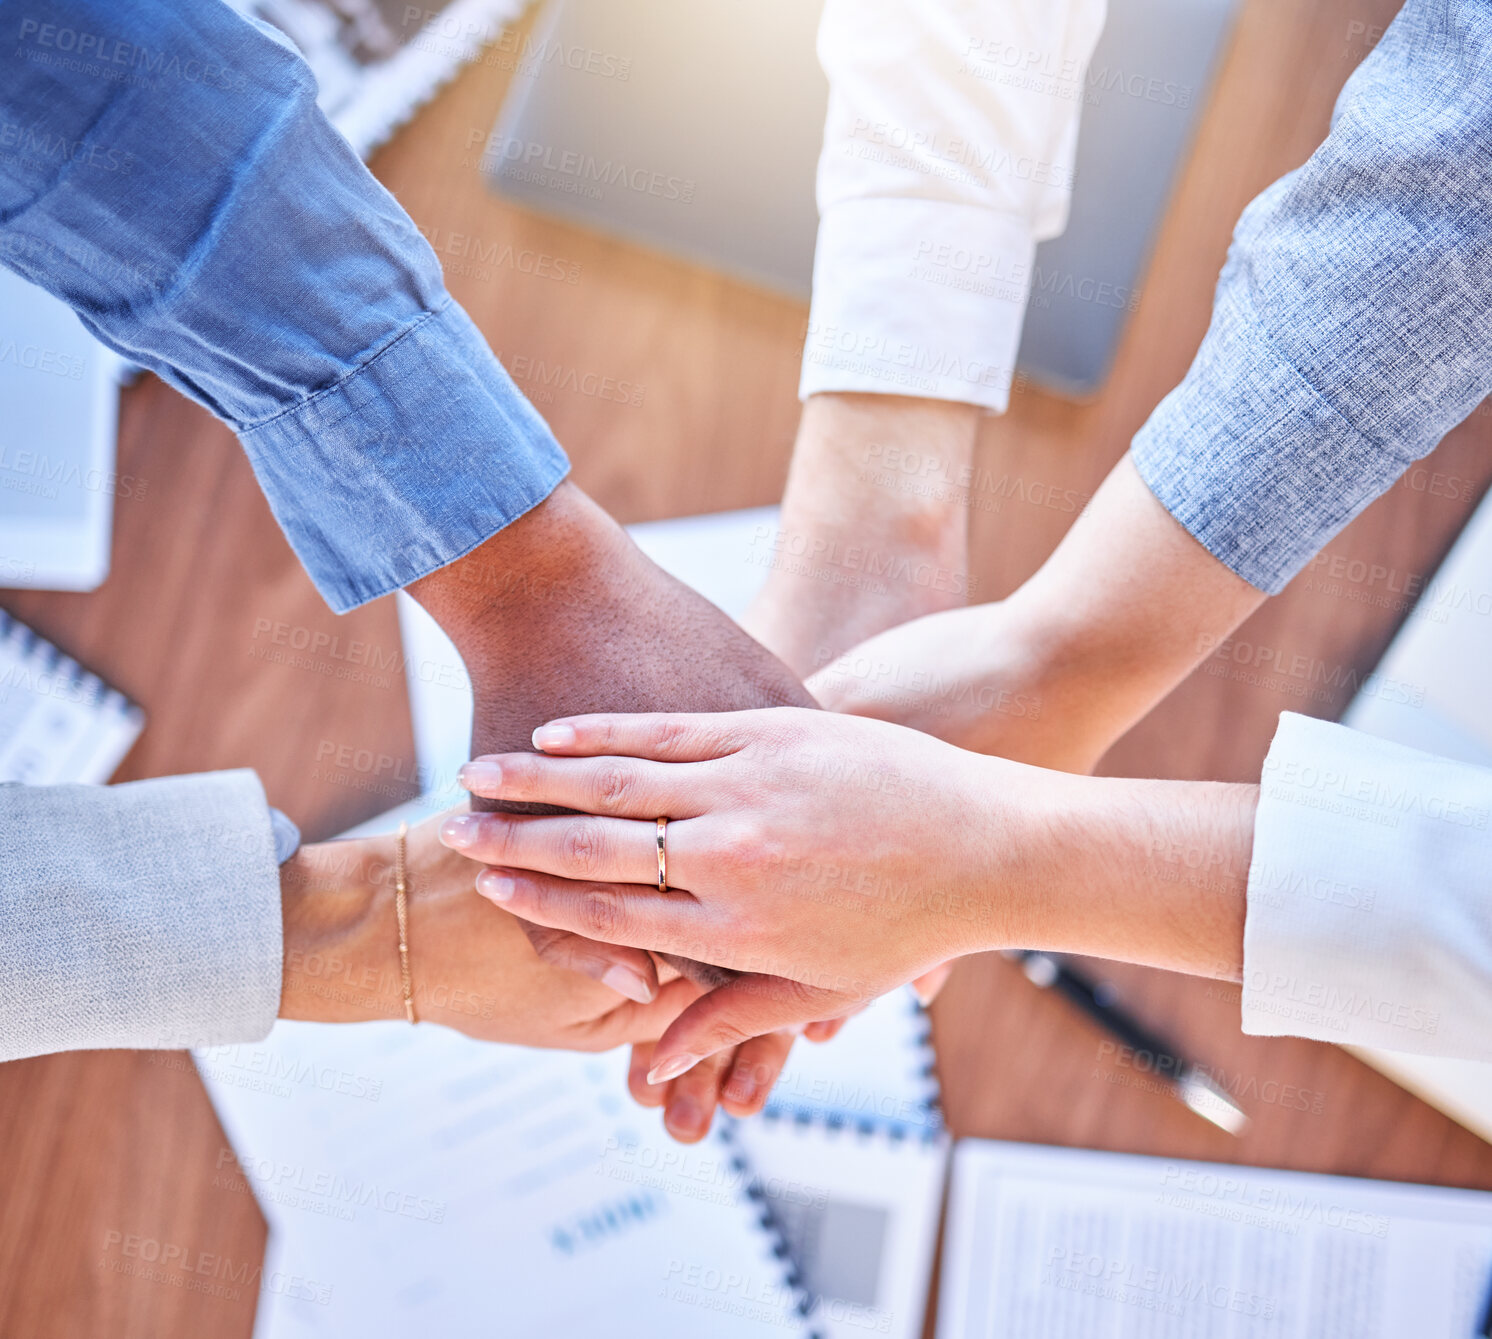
[{"x": 60, "y": 391}]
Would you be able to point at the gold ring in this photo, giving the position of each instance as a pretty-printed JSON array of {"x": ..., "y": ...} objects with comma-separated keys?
[{"x": 662, "y": 855}]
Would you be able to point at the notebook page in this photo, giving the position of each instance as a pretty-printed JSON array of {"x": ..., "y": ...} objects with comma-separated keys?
[
  {"x": 877, "y": 1071},
  {"x": 848, "y": 1163},
  {"x": 58, "y": 723},
  {"x": 417, "y": 1179}
]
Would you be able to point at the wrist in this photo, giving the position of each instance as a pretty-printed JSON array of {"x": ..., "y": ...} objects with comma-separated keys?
[
  {"x": 1022, "y": 852},
  {"x": 893, "y": 468},
  {"x": 874, "y": 525},
  {"x": 340, "y": 946},
  {"x": 1148, "y": 872},
  {"x": 1126, "y": 607},
  {"x": 544, "y": 558}
]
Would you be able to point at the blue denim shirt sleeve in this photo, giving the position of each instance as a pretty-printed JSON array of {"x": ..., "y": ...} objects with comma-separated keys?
[
  {"x": 165, "y": 170},
  {"x": 1352, "y": 326}
]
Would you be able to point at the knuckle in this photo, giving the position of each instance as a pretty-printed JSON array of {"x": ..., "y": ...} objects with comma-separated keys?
[
  {"x": 741, "y": 845},
  {"x": 520, "y": 773},
  {"x": 498, "y": 834},
  {"x": 614, "y": 787},
  {"x": 601, "y": 913},
  {"x": 583, "y": 848},
  {"x": 673, "y": 735},
  {"x": 548, "y": 944},
  {"x": 726, "y": 1032}
]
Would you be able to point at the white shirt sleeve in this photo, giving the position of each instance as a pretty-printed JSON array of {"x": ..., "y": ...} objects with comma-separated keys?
[
  {"x": 1370, "y": 896},
  {"x": 948, "y": 154}
]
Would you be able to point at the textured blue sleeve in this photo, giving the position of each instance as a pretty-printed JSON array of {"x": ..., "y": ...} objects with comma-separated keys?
[
  {"x": 1353, "y": 321},
  {"x": 165, "y": 170}
]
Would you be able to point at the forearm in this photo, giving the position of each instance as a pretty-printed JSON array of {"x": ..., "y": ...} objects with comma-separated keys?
[
  {"x": 1124, "y": 609},
  {"x": 893, "y": 467},
  {"x": 341, "y": 962},
  {"x": 561, "y": 613},
  {"x": 137, "y": 915},
  {"x": 1348, "y": 332},
  {"x": 1151, "y": 872},
  {"x": 262, "y": 271},
  {"x": 874, "y": 524}
]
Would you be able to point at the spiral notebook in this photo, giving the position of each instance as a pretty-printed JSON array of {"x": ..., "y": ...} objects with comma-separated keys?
[
  {"x": 58, "y": 722},
  {"x": 847, "y": 1163}
]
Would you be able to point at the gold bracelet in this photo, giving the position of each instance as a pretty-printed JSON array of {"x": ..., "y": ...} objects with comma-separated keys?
[{"x": 401, "y": 909}]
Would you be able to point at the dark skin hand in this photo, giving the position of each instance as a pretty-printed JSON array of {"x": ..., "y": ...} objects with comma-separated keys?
[{"x": 559, "y": 614}]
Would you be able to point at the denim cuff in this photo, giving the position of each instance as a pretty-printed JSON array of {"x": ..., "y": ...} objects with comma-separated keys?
[
  {"x": 423, "y": 453},
  {"x": 1251, "y": 458}
]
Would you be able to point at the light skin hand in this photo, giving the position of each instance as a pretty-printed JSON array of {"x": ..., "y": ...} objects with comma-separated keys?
[
  {"x": 471, "y": 969},
  {"x": 825, "y": 889},
  {"x": 1124, "y": 609},
  {"x": 873, "y": 530}
]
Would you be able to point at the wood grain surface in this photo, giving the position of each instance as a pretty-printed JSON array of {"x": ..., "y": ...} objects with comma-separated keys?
[{"x": 204, "y": 588}]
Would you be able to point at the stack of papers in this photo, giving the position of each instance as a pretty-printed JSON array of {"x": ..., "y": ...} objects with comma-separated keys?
[{"x": 1052, "y": 1241}]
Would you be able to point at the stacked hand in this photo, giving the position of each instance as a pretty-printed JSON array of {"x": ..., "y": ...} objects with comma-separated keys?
[
  {"x": 824, "y": 858},
  {"x": 474, "y": 970},
  {"x": 828, "y": 859},
  {"x": 560, "y": 612}
]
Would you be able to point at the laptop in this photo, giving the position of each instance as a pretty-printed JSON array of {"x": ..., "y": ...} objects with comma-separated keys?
[{"x": 701, "y": 123}]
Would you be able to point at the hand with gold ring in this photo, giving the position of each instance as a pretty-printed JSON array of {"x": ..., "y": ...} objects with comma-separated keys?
[{"x": 827, "y": 858}]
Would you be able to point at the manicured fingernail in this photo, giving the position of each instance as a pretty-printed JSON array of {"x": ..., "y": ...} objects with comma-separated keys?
[
  {"x": 741, "y": 1088},
  {"x": 685, "y": 1118},
  {"x": 460, "y": 832},
  {"x": 671, "y": 1069},
  {"x": 626, "y": 982},
  {"x": 554, "y": 737},
  {"x": 499, "y": 887},
  {"x": 482, "y": 777}
]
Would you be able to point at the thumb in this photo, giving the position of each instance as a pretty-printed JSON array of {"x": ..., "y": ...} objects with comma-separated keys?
[{"x": 750, "y": 1006}]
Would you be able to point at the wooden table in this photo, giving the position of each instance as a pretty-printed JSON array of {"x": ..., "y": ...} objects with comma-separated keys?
[{"x": 119, "y": 1142}]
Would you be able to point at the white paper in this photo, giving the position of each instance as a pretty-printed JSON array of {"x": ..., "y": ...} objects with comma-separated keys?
[
  {"x": 420, "y": 1182},
  {"x": 858, "y": 1209},
  {"x": 849, "y": 1161},
  {"x": 58, "y": 483},
  {"x": 877, "y": 1071},
  {"x": 1055, "y": 1242}
]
